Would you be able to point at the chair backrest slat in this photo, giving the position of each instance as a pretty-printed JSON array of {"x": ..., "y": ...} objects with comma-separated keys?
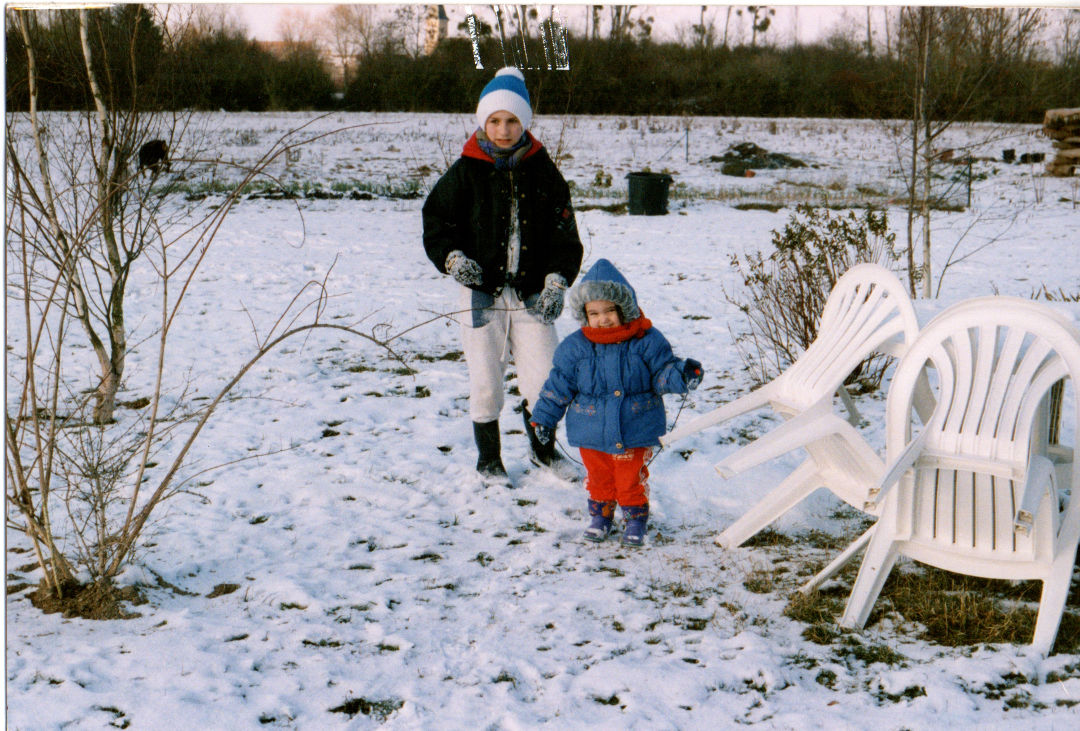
[
  {"x": 995, "y": 360},
  {"x": 867, "y": 308}
]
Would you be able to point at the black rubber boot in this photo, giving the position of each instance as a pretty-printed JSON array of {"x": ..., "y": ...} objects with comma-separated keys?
[
  {"x": 545, "y": 455},
  {"x": 489, "y": 450}
]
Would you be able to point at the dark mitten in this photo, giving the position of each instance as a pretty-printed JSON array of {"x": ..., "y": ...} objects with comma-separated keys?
[
  {"x": 544, "y": 434},
  {"x": 463, "y": 269},
  {"x": 549, "y": 304},
  {"x": 692, "y": 373}
]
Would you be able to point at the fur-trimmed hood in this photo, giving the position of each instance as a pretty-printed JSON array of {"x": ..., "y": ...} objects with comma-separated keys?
[{"x": 604, "y": 282}]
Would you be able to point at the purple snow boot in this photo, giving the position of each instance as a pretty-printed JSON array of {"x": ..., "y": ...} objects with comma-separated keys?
[
  {"x": 637, "y": 518},
  {"x": 603, "y": 518}
]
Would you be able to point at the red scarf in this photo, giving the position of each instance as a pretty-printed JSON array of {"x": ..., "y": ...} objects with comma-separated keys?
[{"x": 608, "y": 335}]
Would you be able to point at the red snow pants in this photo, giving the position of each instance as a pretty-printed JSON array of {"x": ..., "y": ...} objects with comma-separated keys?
[{"x": 623, "y": 478}]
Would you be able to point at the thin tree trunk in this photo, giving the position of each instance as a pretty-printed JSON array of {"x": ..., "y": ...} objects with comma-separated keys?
[
  {"x": 926, "y": 23},
  {"x": 38, "y": 524},
  {"x": 869, "y": 36},
  {"x": 913, "y": 177},
  {"x": 107, "y": 172}
]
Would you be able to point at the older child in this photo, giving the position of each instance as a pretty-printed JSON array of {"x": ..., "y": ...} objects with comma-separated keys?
[
  {"x": 500, "y": 222},
  {"x": 608, "y": 378}
]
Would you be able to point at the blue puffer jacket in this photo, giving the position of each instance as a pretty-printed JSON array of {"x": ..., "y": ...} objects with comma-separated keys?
[{"x": 610, "y": 392}]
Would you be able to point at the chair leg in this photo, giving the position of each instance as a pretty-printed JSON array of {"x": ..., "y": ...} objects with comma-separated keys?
[
  {"x": 789, "y": 493},
  {"x": 880, "y": 557},
  {"x": 837, "y": 563},
  {"x": 1052, "y": 604}
]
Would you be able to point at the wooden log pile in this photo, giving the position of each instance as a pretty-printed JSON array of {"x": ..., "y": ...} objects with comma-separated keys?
[{"x": 1063, "y": 127}]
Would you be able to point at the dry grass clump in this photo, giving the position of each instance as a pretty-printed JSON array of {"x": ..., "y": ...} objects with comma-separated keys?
[{"x": 951, "y": 609}]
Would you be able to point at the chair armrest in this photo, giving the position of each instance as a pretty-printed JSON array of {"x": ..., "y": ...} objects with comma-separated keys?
[
  {"x": 894, "y": 472},
  {"x": 1039, "y": 482},
  {"x": 815, "y": 423},
  {"x": 1059, "y": 454},
  {"x": 750, "y": 402}
]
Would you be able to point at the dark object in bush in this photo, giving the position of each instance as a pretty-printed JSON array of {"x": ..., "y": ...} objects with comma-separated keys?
[
  {"x": 1008, "y": 155},
  {"x": 154, "y": 156},
  {"x": 1030, "y": 157}
]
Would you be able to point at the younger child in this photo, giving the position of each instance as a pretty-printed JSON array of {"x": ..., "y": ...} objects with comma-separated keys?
[{"x": 608, "y": 378}]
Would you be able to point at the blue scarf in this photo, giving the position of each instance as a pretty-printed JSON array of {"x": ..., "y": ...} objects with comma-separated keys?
[{"x": 504, "y": 158}]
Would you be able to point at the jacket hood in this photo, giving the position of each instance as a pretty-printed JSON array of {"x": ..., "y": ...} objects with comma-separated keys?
[{"x": 604, "y": 282}]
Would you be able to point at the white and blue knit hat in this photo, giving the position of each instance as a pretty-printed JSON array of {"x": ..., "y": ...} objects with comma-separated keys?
[{"x": 505, "y": 92}]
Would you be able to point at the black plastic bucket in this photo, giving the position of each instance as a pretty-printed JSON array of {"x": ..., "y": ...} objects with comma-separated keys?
[{"x": 649, "y": 193}]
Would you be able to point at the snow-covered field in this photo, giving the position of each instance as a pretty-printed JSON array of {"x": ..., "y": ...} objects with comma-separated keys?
[{"x": 364, "y": 577}]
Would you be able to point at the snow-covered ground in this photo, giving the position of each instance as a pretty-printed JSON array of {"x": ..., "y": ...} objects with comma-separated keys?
[{"x": 363, "y": 576}]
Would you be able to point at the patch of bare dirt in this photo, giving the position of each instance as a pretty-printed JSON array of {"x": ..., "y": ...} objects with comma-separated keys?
[{"x": 88, "y": 601}]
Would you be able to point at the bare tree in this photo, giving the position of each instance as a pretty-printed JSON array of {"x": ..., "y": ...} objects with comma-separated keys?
[
  {"x": 948, "y": 54},
  {"x": 621, "y": 21},
  {"x": 405, "y": 29},
  {"x": 760, "y": 21},
  {"x": 200, "y": 20},
  {"x": 869, "y": 35},
  {"x": 93, "y": 219},
  {"x": 350, "y": 32},
  {"x": 338, "y": 36},
  {"x": 78, "y": 221},
  {"x": 701, "y": 35},
  {"x": 1069, "y": 48},
  {"x": 85, "y": 492},
  {"x": 297, "y": 26}
]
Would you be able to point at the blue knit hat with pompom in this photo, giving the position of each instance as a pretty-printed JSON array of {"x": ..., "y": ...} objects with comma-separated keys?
[{"x": 505, "y": 92}]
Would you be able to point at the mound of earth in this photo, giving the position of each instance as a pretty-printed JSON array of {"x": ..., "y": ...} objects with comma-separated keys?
[
  {"x": 739, "y": 158},
  {"x": 89, "y": 601}
]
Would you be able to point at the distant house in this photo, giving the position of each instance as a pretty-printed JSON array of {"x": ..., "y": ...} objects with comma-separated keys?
[{"x": 435, "y": 28}]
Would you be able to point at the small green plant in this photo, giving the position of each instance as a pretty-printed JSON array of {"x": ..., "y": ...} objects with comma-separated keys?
[
  {"x": 870, "y": 654},
  {"x": 826, "y": 678},
  {"x": 785, "y": 291}
]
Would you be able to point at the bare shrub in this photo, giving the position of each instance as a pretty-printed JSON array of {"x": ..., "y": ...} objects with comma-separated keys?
[
  {"x": 785, "y": 291},
  {"x": 82, "y": 489}
]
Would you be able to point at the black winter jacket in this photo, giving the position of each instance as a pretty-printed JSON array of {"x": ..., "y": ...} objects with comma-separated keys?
[{"x": 469, "y": 210}]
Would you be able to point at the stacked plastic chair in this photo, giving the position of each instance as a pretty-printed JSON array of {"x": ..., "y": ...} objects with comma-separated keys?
[
  {"x": 973, "y": 491},
  {"x": 867, "y": 312}
]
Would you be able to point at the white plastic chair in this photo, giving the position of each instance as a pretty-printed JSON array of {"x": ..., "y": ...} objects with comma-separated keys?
[
  {"x": 868, "y": 311},
  {"x": 973, "y": 492}
]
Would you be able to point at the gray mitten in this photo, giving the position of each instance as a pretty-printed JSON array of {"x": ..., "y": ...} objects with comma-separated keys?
[
  {"x": 549, "y": 304},
  {"x": 544, "y": 434},
  {"x": 463, "y": 269}
]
